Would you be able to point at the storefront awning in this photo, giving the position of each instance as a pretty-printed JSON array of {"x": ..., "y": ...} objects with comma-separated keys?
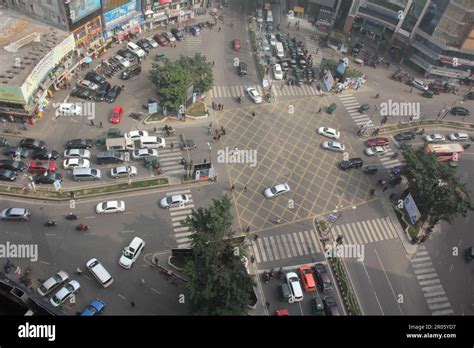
[
  {"x": 149, "y": 12},
  {"x": 298, "y": 9}
]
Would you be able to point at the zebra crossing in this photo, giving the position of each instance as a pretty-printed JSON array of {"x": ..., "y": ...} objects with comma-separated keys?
[
  {"x": 194, "y": 45},
  {"x": 364, "y": 232},
  {"x": 279, "y": 247},
  {"x": 427, "y": 277},
  {"x": 352, "y": 106},
  {"x": 314, "y": 50},
  {"x": 179, "y": 214},
  {"x": 278, "y": 90},
  {"x": 170, "y": 159}
]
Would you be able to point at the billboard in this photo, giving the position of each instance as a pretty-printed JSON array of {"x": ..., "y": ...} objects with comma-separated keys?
[
  {"x": 120, "y": 11},
  {"x": 79, "y": 9},
  {"x": 11, "y": 94},
  {"x": 411, "y": 209}
]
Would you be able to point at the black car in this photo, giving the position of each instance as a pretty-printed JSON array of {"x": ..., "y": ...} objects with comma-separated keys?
[
  {"x": 127, "y": 55},
  {"x": 243, "y": 69},
  {"x": 33, "y": 144},
  {"x": 178, "y": 34},
  {"x": 404, "y": 136},
  {"x": 79, "y": 144},
  {"x": 470, "y": 95},
  {"x": 460, "y": 111},
  {"x": 322, "y": 278},
  {"x": 330, "y": 306},
  {"x": 82, "y": 93},
  {"x": 356, "y": 49},
  {"x": 144, "y": 45},
  {"x": 113, "y": 94},
  {"x": 45, "y": 155},
  {"x": 8, "y": 175},
  {"x": 3, "y": 142},
  {"x": 95, "y": 77},
  {"x": 351, "y": 163},
  {"x": 16, "y": 151},
  {"x": 13, "y": 165},
  {"x": 131, "y": 71},
  {"x": 102, "y": 91},
  {"x": 47, "y": 178}
]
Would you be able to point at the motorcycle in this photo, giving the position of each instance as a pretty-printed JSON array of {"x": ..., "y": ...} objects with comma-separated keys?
[
  {"x": 82, "y": 227},
  {"x": 265, "y": 276},
  {"x": 50, "y": 223},
  {"x": 239, "y": 99},
  {"x": 184, "y": 162},
  {"x": 420, "y": 131},
  {"x": 280, "y": 273},
  {"x": 72, "y": 216}
]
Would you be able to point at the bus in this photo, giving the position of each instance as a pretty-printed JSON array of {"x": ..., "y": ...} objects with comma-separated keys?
[{"x": 445, "y": 152}]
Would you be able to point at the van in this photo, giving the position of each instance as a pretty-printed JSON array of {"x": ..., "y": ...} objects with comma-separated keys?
[
  {"x": 269, "y": 16},
  {"x": 99, "y": 272},
  {"x": 152, "y": 142},
  {"x": 279, "y": 50},
  {"x": 119, "y": 144},
  {"x": 86, "y": 174},
  {"x": 106, "y": 157},
  {"x": 420, "y": 85},
  {"x": 131, "y": 253},
  {"x": 136, "y": 50}
]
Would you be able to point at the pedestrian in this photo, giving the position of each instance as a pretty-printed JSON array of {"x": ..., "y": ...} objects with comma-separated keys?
[
  {"x": 267, "y": 304},
  {"x": 222, "y": 107},
  {"x": 172, "y": 146},
  {"x": 252, "y": 259},
  {"x": 385, "y": 188},
  {"x": 101, "y": 125},
  {"x": 216, "y": 132},
  {"x": 219, "y": 106},
  {"x": 232, "y": 188},
  {"x": 253, "y": 114},
  {"x": 154, "y": 129},
  {"x": 218, "y": 137},
  {"x": 132, "y": 303},
  {"x": 247, "y": 230},
  {"x": 245, "y": 188},
  {"x": 174, "y": 44},
  {"x": 205, "y": 161},
  {"x": 219, "y": 28},
  {"x": 142, "y": 281},
  {"x": 213, "y": 63},
  {"x": 92, "y": 123},
  {"x": 215, "y": 178},
  {"x": 255, "y": 237},
  {"x": 320, "y": 110},
  {"x": 223, "y": 130},
  {"x": 24, "y": 126}
]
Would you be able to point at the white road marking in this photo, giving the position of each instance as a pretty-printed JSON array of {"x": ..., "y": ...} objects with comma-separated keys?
[{"x": 44, "y": 262}]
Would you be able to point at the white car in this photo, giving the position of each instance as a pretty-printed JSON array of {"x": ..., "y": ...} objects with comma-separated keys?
[
  {"x": 110, "y": 207},
  {"x": 135, "y": 135},
  {"x": 254, "y": 95},
  {"x": 144, "y": 153},
  {"x": 123, "y": 171},
  {"x": 333, "y": 146},
  {"x": 72, "y": 163},
  {"x": 265, "y": 45},
  {"x": 420, "y": 85},
  {"x": 273, "y": 40},
  {"x": 329, "y": 132},
  {"x": 123, "y": 61},
  {"x": 77, "y": 153},
  {"x": 434, "y": 138},
  {"x": 52, "y": 283},
  {"x": 276, "y": 190},
  {"x": 277, "y": 72},
  {"x": 131, "y": 253},
  {"x": 68, "y": 109},
  {"x": 152, "y": 41},
  {"x": 66, "y": 292},
  {"x": 375, "y": 151},
  {"x": 170, "y": 37},
  {"x": 173, "y": 201},
  {"x": 88, "y": 84},
  {"x": 458, "y": 136},
  {"x": 295, "y": 286}
]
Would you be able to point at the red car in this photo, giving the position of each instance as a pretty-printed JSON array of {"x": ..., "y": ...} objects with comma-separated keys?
[
  {"x": 379, "y": 141},
  {"x": 236, "y": 45},
  {"x": 41, "y": 167},
  {"x": 160, "y": 39},
  {"x": 307, "y": 278},
  {"x": 117, "y": 114}
]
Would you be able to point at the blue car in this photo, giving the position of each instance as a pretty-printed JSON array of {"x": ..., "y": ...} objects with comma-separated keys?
[
  {"x": 195, "y": 30},
  {"x": 95, "y": 308}
]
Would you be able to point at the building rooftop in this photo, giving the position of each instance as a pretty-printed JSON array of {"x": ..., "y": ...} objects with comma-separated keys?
[{"x": 23, "y": 43}]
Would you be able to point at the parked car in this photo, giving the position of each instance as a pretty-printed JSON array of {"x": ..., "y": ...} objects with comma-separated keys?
[
  {"x": 124, "y": 62},
  {"x": 317, "y": 305},
  {"x": 117, "y": 114},
  {"x": 113, "y": 94},
  {"x": 405, "y": 136},
  {"x": 144, "y": 45},
  {"x": 333, "y": 146},
  {"x": 351, "y": 163},
  {"x": 17, "y": 166},
  {"x": 375, "y": 151},
  {"x": 144, "y": 153},
  {"x": 178, "y": 34},
  {"x": 128, "y": 55},
  {"x": 254, "y": 95},
  {"x": 45, "y": 155},
  {"x": 65, "y": 293},
  {"x": 307, "y": 278},
  {"x": 265, "y": 45},
  {"x": 277, "y": 72},
  {"x": 242, "y": 69},
  {"x": 168, "y": 36},
  {"x": 77, "y": 153},
  {"x": 88, "y": 85},
  {"x": 68, "y": 109},
  {"x": 330, "y": 306},
  {"x": 135, "y": 135},
  {"x": 132, "y": 252},
  {"x": 174, "y": 200},
  {"x": 42, "y": 166},
  {"x": 17, "y": 152},
  {"x": 195, "y": 30},
  {"x": 160, "y": 39},
  {"x": 322, "y": 278},
  {"x": 329, "y": 132},
  {"x": 295, "y": 286},
  {"x": 123, "y": 171},
  {"x": 236, "y": 45},
  {"x": 434, "y": 138},
  {"x": 276, "y": 190},
  {"x": 85, "y": 94},
  {"x": 8, "y": 175},
  {"x": 101, "y": 93},
  {"x": 458, "y": 136},
  {"x": 370, "y": 169},
  {"x": 72, "y": 163},
  {"x": 79, "y": 144},
  {"x": 379, "y": 141},
  {"x": 420, "y": 85},
  {"x": 110, "y": 207},
  {"x": 152, "y": 41},
  {"x": 47, "y": 178},
  {"x": 32, "y": 144},
  {"x": 95, "y": 77},
  {"x": 131, "y": 71},
  {"x": 52, "y": 283},
  {"x": 460, "y": 111},
  {"x": 96, "y": 307},
  {"x": 15, "y": 214}
]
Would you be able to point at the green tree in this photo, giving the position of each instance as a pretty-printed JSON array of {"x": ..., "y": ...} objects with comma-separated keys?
[
  {"x": 172, "y": 81},
  {"x": 200, "y": 71},
  {"x": 218, "y": 281},
  {"x": 437, "y": 190}
]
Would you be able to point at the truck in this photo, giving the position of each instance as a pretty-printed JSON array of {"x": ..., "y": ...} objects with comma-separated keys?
[{"x": 119, "y": 144}]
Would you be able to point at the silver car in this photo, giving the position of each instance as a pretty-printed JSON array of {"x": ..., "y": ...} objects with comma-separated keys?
[
  {"x": 333, "y": 146},
  {"x": 66, "y": 292},
  {"x": 123, "y": 171},
  {"x": 52, "y": 283},
  {"x": 144, "y": 153},
  {"x": 15, "y": 214}
]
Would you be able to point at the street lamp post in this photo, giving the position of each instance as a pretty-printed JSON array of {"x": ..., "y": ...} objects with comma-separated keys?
[{"x": 210, "y": 153}]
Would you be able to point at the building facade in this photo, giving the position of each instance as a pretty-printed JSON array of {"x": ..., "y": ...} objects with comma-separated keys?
[{"x": 164, "y": 12}]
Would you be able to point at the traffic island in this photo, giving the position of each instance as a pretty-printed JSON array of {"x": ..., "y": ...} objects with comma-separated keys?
[
  {"x": 345, "y": 287},
  {"x": 89, "y": 191}
]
